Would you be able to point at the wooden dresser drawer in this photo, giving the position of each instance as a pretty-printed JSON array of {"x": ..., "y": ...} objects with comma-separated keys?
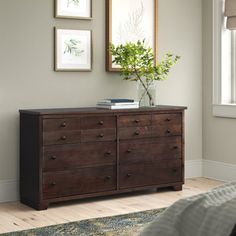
[
  {"x": 92, "y": 135},
  {"x": 135, "y": 120},
  {"x": 98, "y": 122},
  {"x": 167, "y": 148},
  {"x": 66, "y": 157},
  {"x": 135, "y": 132},
  {"x": 150, "y": 151},
  {"x": 82, "y": 181},
  {"x": 166, "y": 130},
  {"x": 138, "y": 175},
  {"x": 166, "y": 119},
  {"x": 61, "y": 124},
  {"x": 61, "y": 137},
  {"x": 133, "y": 151}
]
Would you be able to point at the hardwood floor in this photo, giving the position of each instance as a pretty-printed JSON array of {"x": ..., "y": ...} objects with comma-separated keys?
[{"x": 15, "y": 216}]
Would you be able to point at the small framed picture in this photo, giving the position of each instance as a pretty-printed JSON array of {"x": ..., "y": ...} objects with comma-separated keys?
[
  {"x": 75, "y": 9},
  {"x": 73, "y": 50}
]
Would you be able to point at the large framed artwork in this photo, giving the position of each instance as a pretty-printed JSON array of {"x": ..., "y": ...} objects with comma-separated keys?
[
  {"x": 130, "y": 21},
  {"x": 73, "y": 50},
  {"x": 76, "y": 9}
]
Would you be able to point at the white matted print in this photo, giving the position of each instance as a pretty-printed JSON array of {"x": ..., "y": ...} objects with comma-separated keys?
[
  {"x": 77, "y": 9},
  {"x": 73, "y": 50},
  {"x": 130, "y": 21}
]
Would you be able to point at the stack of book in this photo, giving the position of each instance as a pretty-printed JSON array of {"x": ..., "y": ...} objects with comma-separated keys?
[{"x": 117, "y": 104}]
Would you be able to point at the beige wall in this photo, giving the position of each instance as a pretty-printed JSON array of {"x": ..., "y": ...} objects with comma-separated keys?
[
  {"x": 28, "y": 81},
  {"x": 219, "y": 134},
  {"x": 180, "y": 31}
]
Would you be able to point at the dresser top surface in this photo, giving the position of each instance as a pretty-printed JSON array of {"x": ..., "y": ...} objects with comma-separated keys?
[{"x": 94, "y": 110}]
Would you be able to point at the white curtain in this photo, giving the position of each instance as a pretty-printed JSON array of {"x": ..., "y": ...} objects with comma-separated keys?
[{"x": 230, "y": 13}]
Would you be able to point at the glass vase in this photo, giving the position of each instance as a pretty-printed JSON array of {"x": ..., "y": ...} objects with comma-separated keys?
[{"x": 147, "y": 94}]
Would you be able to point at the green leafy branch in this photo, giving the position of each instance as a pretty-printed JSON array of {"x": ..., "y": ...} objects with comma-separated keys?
[
  {"x": 75, "y": 2},
  {"x": 137, "y": 64},
  {"x": 72, "y": 47}
]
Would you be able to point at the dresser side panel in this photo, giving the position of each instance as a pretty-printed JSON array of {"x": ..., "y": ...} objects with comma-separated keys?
[{"x": 30, "y": 165}]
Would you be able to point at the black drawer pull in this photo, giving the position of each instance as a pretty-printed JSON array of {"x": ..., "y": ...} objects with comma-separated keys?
[
  {"x": 168, "y": 131},
  {"x": 101, "y": 122},
  {"x": 136, "y": 121},
  {"x": 129, "y": 175},
  {"x": 108, "y": 177},
  {"x": 53, "y": 158},
  {"x": 101, "y": 135},
  {"x": 63, "y": 125},
  {"x": 129, "y": 150},
  {"x": 168, "y": 119},
  {"x": 137, "y": 133},
  {"x": 108, "y": 153},
  {"x": 53, "y": 184},
  {"x": 175, "y": 170},
  {"x": 63, "y": 138},
  {"x": 175, "y": 147}
]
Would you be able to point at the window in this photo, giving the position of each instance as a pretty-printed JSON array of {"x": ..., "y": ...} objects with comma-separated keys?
[{"x": 224, "y": 64}]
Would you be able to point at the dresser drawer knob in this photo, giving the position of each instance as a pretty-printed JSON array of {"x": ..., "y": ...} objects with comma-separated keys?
[
  {"x": 129, "y": 175},
  {"x": 176, "y": 147},
  {"x": 137, "y": 133},
  {"x": 101, "y": 135},
  {"x": 63, "y": 138},
  {"x": 136, "y": 121},
  {"x": 168, "y": 131},
  {"x": 53, "y": 184},
  {"x": 175, "y": 170},
  {"x": 108, "y": 177},
  {"x": 129, "y": 150},
  {"x": 101, "y": 122},
  {"x": 108, "y": 153},
  {"x": 168, "y": 119},
  {"x": 63, "y": 125},
  {"x": 53, "y": 158}
]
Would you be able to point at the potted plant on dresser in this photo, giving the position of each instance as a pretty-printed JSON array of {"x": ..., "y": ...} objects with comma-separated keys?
[{"x": 137, "y": 63}]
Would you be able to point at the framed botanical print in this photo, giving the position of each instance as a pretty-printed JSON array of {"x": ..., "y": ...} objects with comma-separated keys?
[
  {"x": 76, "y": 9},
  {"x": 130, "y": 21},
  {"x": 73, "y": 50}
]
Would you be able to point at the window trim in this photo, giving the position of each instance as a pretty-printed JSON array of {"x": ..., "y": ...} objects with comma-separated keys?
[{"x": 219, "y": 109}]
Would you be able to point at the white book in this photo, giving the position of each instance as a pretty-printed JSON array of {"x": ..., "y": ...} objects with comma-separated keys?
[
  {"x": 117, "y": 100},
  {"x": 117, "y": 103},
  {"x": 118, "y": 107}
]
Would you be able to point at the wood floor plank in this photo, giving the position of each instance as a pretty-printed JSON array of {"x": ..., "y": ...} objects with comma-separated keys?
[{"x": 15, "y": 216}]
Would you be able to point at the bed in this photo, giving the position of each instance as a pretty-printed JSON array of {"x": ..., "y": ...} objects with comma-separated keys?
[{"x": 209, "y": 214}]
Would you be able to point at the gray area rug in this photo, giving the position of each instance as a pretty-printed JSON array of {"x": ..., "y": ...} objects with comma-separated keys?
[{"x": 122, "y": 225}]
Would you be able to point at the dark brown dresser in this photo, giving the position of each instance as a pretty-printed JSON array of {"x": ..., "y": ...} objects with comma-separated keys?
[{"x": 68, "y": 154}]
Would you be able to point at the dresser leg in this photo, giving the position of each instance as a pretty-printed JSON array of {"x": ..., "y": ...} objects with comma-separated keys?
[
  {"x": 43, "y": 206},
  {"x": 178, "y": 188}
]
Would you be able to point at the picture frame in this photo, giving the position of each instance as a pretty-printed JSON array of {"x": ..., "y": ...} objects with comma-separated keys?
[
  {"x": 73, "y": 50},
  {"x": 73, "y": 9},
  {"x": 126, "y": 21}
]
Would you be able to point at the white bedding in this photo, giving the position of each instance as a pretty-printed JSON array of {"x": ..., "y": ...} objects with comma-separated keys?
[{"x": 209, "y": 214}]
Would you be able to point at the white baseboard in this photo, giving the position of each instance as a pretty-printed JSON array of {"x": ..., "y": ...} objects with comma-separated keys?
[
  {"x": 210, "y": 169},
  {"x": 193, "y": 169},
  {"x": 219, "y": 170},
  {"x": 9, "y": 190}
]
